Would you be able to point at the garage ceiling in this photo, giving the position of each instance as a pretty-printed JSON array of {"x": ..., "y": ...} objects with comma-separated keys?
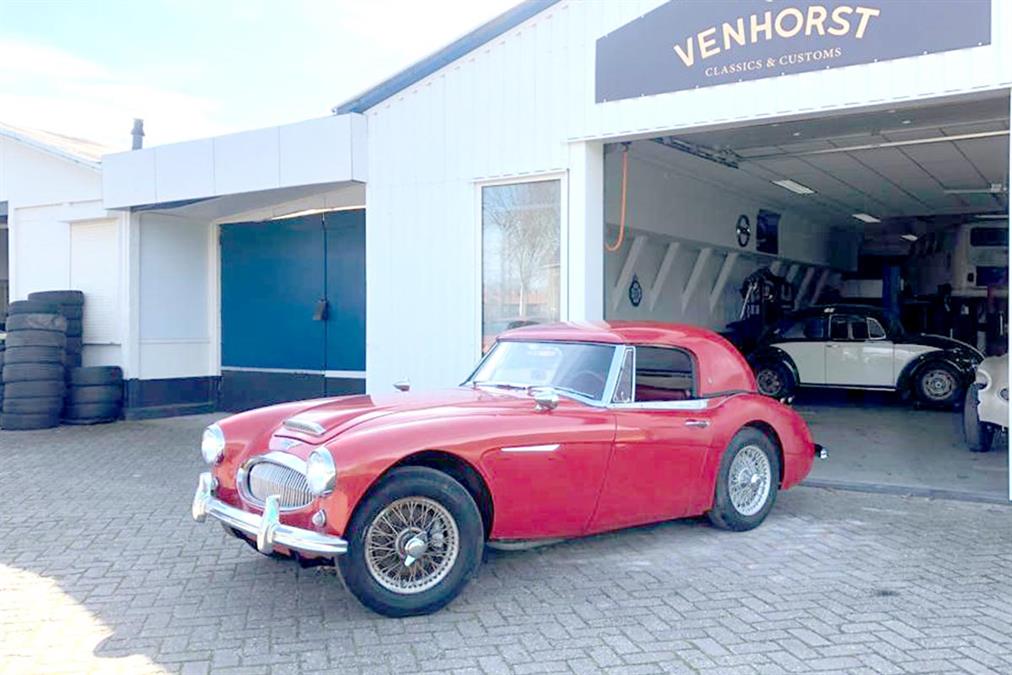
[{"x": 904, "y": 186}]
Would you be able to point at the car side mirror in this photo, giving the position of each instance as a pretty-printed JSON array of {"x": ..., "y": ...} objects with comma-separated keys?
[
  {"x": 402, "y": 385},
  {"x": 545, "y": 400}
]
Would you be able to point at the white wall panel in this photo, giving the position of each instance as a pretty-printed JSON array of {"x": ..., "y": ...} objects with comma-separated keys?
[
  {"x": 247, "y": 161},
  {"x": 41, "y": 251},
  {"x": 94, "y": 254},
  {"x": 513, "y": 107}
]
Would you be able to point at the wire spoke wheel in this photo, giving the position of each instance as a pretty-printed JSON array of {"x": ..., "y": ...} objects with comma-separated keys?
[
  {"x": 749, "y": 482},
  {"x": 411, "y": 545}
]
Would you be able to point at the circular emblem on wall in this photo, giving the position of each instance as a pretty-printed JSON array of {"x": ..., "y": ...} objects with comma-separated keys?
[
  {"x": 743, "y": 230},
  {"x": 635, "y": 292}
]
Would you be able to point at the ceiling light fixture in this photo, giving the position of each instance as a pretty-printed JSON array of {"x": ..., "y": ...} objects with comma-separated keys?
[
  {"x": 794, "y": 186},
  {"x": 909, "y": 236},
  {"x": 866, "y": 218}
]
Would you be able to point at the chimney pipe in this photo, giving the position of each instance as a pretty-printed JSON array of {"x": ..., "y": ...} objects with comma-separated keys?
[{"x": 138, "y": 134}]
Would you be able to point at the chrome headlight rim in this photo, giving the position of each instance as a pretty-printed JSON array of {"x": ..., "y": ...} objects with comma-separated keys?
[
  {"x": 321, "y": 474},
  {"x": 212, "y": 444}
]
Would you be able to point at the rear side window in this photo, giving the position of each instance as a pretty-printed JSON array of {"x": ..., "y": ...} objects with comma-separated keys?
[
  {"x": 811, "y": 328},
  {"x": 664, "y": 374}
]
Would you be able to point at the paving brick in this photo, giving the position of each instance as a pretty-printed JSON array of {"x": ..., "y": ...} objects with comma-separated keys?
[{"x": 102, "y": 570}]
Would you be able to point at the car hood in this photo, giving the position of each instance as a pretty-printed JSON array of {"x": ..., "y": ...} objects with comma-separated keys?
[
  {"x": 335, "y": 416},
  {"x": 941, "y": 342}
]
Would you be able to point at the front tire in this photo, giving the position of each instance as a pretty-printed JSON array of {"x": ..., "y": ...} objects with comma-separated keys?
[
  {"x": 747, "y": 482},
  {"x": 979, "y": 435},
  {"x": 413, "y": 543},
  {"x": 938, "y": 385}
]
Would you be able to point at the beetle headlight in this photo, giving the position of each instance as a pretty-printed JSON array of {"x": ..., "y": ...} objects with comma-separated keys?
[
  {"x": 321, "y": 475},
  {"x": 212, "y": 444}
]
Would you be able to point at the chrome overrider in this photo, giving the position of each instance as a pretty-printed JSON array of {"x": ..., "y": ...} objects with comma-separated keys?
[{"x": 267, "y": 529}]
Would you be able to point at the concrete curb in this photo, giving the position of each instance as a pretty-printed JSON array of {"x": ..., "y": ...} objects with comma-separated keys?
[{"x": 907, "y": 491}]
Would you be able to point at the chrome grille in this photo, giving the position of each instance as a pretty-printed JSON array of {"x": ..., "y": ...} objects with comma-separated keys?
[{"x": 267, "y": 478}]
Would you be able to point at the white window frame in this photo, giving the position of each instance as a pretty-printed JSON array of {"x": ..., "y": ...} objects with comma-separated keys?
[{"x": 479, "y": 270}]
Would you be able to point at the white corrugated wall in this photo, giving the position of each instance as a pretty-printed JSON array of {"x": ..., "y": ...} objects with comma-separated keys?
[{"x": 512, "y": 108}]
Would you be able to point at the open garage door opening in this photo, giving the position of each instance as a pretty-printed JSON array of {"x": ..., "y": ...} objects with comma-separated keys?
[{"x": 859, "y": 261}]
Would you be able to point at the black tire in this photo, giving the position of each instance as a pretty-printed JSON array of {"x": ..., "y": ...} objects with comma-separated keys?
[
  {"x": 72, "y": 360},
  {"x": 75, "y": 345},
  {"x": 89, "y": 421},
  {"x": 36, "y": 338},
  {"x": 14, "y": 422},
  {"x": 32, "y": 307},
  {"x": 85, "y": 411},
  {"x": 979, "y": 435},
  {"x": 938, "y": 384},
  {"x": 448, "y": 494},
  {"x": 99, "y": 393},
  {"x": 33, "y": 321},
  {"x": 93, "y": 375},
  {"x": 32, "y": 372},
  {"x": 33, "y": 406},
  {"x": 75, "y": 328},
  {"x": 58, "y": 297},
  {"x": 33, "y": 355},
  {"x": 37, "y": 389},
  {"x": 775, "y": 379},
  {"x": 72, "y": 312},
  {"x": 725, "y": 514}
]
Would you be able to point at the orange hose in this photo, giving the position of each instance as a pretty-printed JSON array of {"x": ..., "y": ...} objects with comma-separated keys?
[{"x": 611, "y": 248}]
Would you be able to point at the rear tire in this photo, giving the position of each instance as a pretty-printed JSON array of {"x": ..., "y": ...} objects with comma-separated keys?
[
  {"x": 32, "y": 307},
  {"x": 747, "y": 482},
  {"x": 58, "y": 297},
  {"x": 448, "y": 562},
  {"x": 33, "y": 406},
  {"x": 92, "y": 411},
  {"x": 33, "y": 355},
  {"x": 99, "y": 393},
  {"x": 775, "y": 380}
]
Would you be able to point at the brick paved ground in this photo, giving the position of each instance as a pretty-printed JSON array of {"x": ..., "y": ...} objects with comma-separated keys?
[{"x": 101, "y": 569}]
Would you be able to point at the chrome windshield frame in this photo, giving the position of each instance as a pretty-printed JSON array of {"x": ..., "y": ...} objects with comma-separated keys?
[{"x": 611, "y": 379}]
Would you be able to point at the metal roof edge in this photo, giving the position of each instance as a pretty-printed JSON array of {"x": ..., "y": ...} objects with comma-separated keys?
[
  {"x": 484, "y": 33},
  {"x": 59, "y": 153}
]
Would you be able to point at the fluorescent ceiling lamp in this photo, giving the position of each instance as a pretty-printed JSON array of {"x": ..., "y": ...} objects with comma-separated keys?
[
  {"x": 909, "y": 237},
  {"x": 794, "y": 186},
  {"x": 992, "y": 216},
  {"x": 866, "y": 218}
]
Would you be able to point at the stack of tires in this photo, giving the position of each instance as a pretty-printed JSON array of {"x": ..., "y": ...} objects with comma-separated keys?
[
  {"x": 71, "y": 305},
  {"x": 33, "y": 366},
  {"x": 94, "y": 395}
]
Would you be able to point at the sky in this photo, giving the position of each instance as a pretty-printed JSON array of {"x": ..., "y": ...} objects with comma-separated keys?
[{"x": 195, "y": 68}]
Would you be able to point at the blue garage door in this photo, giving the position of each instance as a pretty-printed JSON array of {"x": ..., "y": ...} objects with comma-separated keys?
[{"x": 292, "y": 309}]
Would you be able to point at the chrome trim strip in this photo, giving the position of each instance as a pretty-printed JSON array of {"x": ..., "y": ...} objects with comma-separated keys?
[
  {"x": 303, "y": 426},
  {"x": 267, "y": 529},
  {"x": 549, "y": 447},
  {"x": 691, "y": 404}
]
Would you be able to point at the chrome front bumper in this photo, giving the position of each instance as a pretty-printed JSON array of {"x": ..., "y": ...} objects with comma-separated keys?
[{"x": 267, "y": 528}]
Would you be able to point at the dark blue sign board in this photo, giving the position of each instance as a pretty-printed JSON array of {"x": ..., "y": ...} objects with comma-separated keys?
[{"x": 686, "y": 44}]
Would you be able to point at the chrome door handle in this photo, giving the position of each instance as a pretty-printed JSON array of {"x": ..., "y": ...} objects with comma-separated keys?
[{"x": 700, "y": 424}]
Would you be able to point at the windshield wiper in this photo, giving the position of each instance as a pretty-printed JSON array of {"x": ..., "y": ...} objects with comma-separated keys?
[{"x": 498, "y": 385}]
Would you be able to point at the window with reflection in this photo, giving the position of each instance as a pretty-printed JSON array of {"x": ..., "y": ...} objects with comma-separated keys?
[{"x": 520, "y": 230}]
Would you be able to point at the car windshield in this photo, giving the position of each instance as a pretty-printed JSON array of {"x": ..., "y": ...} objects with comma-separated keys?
[{"x": 570, "y": 367}]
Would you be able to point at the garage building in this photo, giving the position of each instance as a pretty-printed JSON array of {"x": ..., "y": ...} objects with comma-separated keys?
[{"x": 582, "y": 161}]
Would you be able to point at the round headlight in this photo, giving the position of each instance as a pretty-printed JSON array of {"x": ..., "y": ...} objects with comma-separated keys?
[
  {"x": 212, "y": 444},
  {"x": 321, "y": 475}
]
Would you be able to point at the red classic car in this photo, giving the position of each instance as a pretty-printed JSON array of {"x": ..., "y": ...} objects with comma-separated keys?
[{"x": 561, "y": 431}]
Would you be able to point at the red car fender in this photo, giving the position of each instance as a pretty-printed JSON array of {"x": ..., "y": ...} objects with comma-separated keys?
[{"x": 746, "y": 409}]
